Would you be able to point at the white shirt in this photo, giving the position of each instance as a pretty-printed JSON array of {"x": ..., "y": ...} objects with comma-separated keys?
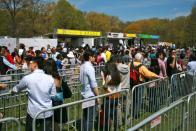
[
  {"x": 110, "y": 88},
  {"x": 191, "y": 67},
  {"x": 104, "y": 57},
  {"x": 53, "y": 56},
  {"x": 40, "y": 88}
]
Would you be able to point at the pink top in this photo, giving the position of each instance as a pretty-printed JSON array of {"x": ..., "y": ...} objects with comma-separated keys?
[{"x": 162, "y": 68}]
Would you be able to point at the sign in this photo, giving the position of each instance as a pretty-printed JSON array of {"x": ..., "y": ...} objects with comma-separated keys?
[
  {"x": 38, "y": 43},
  {"x": 165, "y": 43},
  {"x": 144, "y": 36},
  {"x": 88, "y": 104},
  {"x": 77, "y": 32},
  {"x": 115, "y": 35},
  {"x": 155, "y": 36},
  {"x": 155, "y": 122},
  {"x": 131, "y": 35}
]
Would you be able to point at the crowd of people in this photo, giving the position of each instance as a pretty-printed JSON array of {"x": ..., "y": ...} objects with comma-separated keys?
[{"x": 44, "y": 83}]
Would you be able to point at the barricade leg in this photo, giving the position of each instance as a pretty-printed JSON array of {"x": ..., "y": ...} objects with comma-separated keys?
[
  {"x": 192, "y": 113},
  {"x": 137, "y": 102},
  {"x": 10, "y": 124},
  {"x": 88, "y": 118},
  {"x": 174, "y": 90}
]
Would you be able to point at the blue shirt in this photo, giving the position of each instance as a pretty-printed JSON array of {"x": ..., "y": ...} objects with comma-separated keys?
[
  {"x": 40, "y": 88},
  {"x": 88, "y": 80},
  {"x": 59, "y": 64},
  {"x": 44, "y": 55}
]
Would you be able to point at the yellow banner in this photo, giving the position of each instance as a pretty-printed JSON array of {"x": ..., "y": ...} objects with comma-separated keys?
[
  {"x": 131, "y": 35},
  {"x": 77, "y": 32}
]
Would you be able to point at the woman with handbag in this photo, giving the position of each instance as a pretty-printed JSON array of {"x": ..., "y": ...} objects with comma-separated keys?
[
  {"x": 111, "y": 78},
  {"x": 50, "y": 68}
]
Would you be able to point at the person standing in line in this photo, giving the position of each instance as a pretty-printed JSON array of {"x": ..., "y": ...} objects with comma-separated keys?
[
  {"x": 54, "y": 53},
  {"x": 161, "y": 57},
  {"x": 89, "y": 89},
  {"x": 4, "y": 63},
  {"x": 40, "y": 88},
  {"x": 173, "y": 68},
  {"x": 191, "y": 66},
  {"x": 112, "y": 83},
  {"x": 50, "y": 68},
  {"x": 144, "y": 73}
]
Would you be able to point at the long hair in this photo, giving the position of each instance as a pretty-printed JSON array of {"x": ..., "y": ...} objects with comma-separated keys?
[
  {"x": 50, "y": 68},
  {"x": 114, "y": 73}
]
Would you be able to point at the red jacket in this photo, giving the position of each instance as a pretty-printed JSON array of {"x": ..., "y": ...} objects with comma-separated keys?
[{"x": 10, "y": 59}]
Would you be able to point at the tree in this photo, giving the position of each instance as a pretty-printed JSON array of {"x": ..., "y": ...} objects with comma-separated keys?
[
  {"x": 4, "y": 23},
  {"x": 68, "y": 17},
  {"x": 190, "y": 30},
  {"x": 14, "y": 7}
]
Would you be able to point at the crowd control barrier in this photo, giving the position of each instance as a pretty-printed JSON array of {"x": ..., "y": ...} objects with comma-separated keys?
[
  {"x": 85, "y": 115},
  {"x": 182, "y": 84},
  {"x": 148, "y": 98},
  {"x": 10, "y": 124}
]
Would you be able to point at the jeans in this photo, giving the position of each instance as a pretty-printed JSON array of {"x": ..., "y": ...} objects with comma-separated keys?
[
  {"x": 48, "y": 123},
  {"x": 137, "y": 101},
  {"x": 111, "y": 113},
  {"x": 88, "y": 118}
]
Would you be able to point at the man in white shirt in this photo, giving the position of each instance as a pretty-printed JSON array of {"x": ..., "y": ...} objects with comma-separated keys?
[
  {"x": 191, "y": 67},
  {"x": 54, "y": 53},
  {"x": 40, "y": 88},
  {"x": 89, "y": 89}
]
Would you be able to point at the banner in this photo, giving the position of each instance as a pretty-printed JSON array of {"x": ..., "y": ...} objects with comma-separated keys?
[
  {"x": 38, "y": 43},
  {"x": 77, "y": 32}
]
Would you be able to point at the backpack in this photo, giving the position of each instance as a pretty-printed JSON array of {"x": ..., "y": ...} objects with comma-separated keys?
[
  {"x": 154, "y": 66},
  {"x": 134, "y": 75}
]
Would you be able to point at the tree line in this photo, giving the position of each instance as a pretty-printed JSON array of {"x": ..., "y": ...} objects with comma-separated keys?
[{"x": 28, "y": 18}]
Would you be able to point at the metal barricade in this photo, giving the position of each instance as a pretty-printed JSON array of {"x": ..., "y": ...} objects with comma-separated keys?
[
  {"x": 83, "y": 115},
  {"x": 98, "y": 70},
  {"x": 14, "y": 105},
  {"x": 181, "y": 85},
  {"x": 11, "y": 80},
  {"x": 72, "y": 74},
  {"x": 10, "y": 124},
  {"x": 171, "y": 118},
  {"x": 191, "y": 125},
  {"x": 148, "y": 98},
  {"x": 19, "y": 71},
  {"x": 12, "y": 77}
]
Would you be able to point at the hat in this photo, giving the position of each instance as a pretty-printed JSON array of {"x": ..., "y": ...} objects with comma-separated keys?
[
  {"x": 76, "y": 49},
  {"x": 70, "y": 55}
]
